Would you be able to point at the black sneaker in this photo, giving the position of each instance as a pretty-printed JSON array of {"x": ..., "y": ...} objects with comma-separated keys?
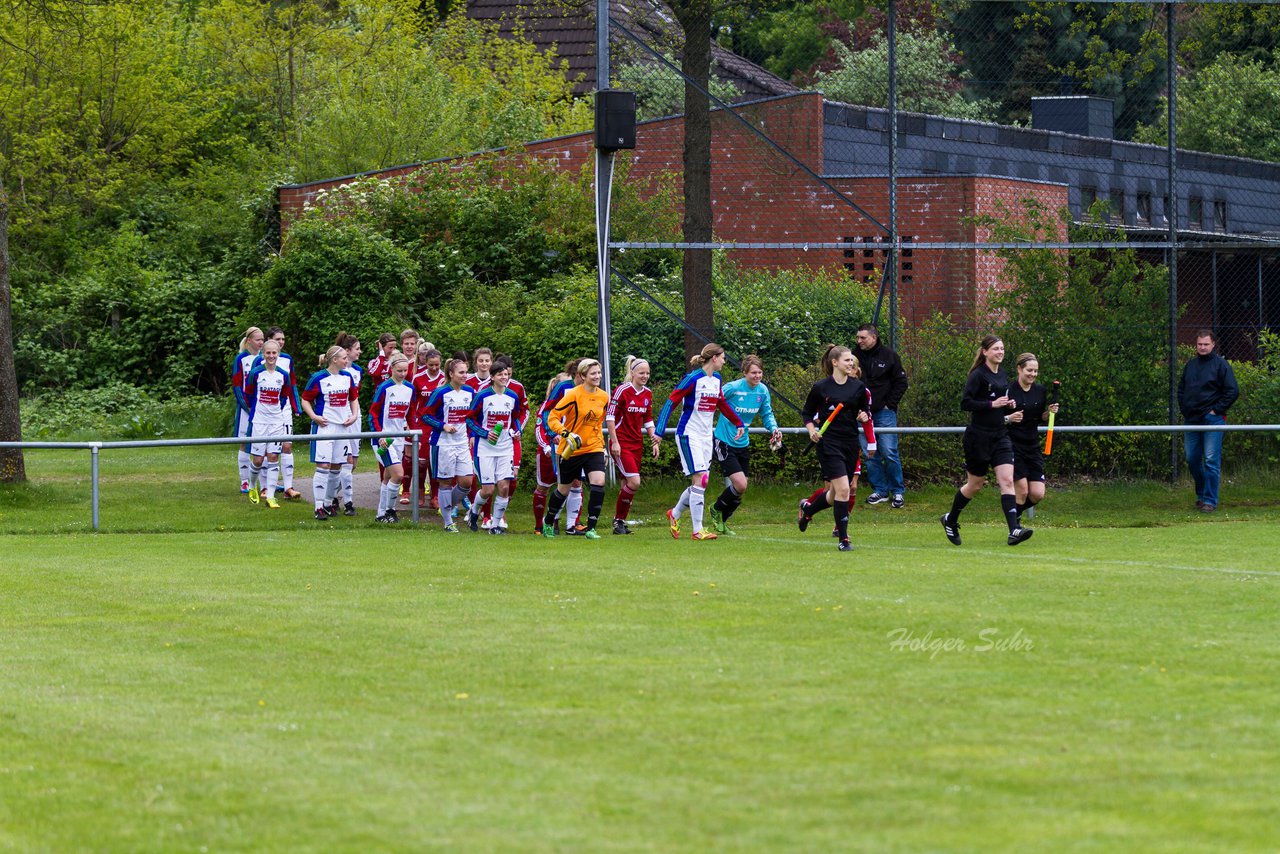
[
  {"x": 473, "y": 522},
  {"x": 951, "y": 529},
  {"x": 835, "y": 532},
  {"x": 322, "y": 515},
  {"x": 392, "y": 516},
  {"x": 898, "y": 502},
  {"x": 620, "y": 527},
  {"x": 845, "y": 546},
  {"x": 382, "y": 519},
  {"x": 496, "y": 531},
  {"x": 877, "y": 498},
  {"x": 348, "y": 509},
  {"x": 802, "y": 520},
  {"x": 1019, "y": 535},
  {"x": 334, "y": 507}
]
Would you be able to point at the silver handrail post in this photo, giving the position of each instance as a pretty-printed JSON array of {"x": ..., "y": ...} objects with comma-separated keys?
[
  {"x": 93, "y": 489},
  {"x": 414, "y": 480}
]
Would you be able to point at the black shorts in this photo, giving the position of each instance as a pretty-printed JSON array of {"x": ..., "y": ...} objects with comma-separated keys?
[
  {"x": 1028, "y": 462},
  {"x": 732, "y": 460},
  {"x": 985, "y": 449},
  {"x": 578, "y": 467},
  {"x": 839, "y": 460}
]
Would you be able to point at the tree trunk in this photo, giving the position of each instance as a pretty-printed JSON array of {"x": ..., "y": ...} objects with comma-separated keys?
[
  {"x": 695, "y": 21},
  {"x": 12, "y": 466}
]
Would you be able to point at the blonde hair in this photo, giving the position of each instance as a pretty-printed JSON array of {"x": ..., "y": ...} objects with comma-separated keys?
[
  {"x": 555, "y": 381},
  {"x": 331, "y": 354},
  {"x": 244, "y": 339},
  {"x": 396, "y": 358},
  {"x": 586, "y": 365},
  {"x": 708, "y": 353},
  {"x": 633, "y": 363}
]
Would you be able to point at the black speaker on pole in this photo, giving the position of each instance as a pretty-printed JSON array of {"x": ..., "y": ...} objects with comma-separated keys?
[{"x": 615, "y": 119}]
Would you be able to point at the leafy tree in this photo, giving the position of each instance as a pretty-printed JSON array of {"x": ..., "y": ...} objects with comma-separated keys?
[
  {"x": 12, "y": 464},
  {"x": 929, "y": 80},
  {"x": 659, "y": 91}
]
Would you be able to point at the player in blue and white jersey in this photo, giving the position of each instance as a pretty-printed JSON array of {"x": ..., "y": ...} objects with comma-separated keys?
[
  {"x": 395, "y": 403},
  {"x": 285, "y": 363},
  {"x": 352, "y": 345},
  {"x": 330, "y": 401},
  {"x": 446, "y": 414},
  {"x": 272, "y": 400},
  {"x": 250, "y": 346},
  {"x": 750, "y": 398},
  {"x": 700, "y": 396},
  {"x": 496, "y": 418}
]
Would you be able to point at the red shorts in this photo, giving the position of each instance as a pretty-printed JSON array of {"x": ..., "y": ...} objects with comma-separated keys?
[
  {"x": 515, "y": 452},
  {"x": 628, "y": 462},
  {"x": 546, "y": 470}
]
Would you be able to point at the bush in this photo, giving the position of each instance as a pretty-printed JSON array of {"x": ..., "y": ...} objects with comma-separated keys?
[{"x": 122, "y": 411}]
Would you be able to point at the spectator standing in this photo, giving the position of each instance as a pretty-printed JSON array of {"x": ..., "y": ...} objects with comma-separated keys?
[
  {"x": 883, "y": 375},
  {"x": 1205, "y": 393}
]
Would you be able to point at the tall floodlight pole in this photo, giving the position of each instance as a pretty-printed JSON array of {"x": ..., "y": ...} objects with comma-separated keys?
[
  {"x": 604, "y": 187},
  {"x": 1171, "y": 214},
  {"x": 891, "y": 261}
]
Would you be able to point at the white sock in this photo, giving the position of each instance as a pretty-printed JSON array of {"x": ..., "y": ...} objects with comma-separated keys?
[
  {"x": 499, "y": 508},
  {"x": 348, "y": 471},
  {"x": 682, "y": 504},
  {"x": 697, "y": 500},
  {"x": 286, "y": 470},
  {"x": 255, "y": 473},
  {"x": 331, "y": 483},
  {"x": 319, "y": 485},
  {"x": 273, "y": 474},
  {"x": 243, "y": 459},
  {"x": 573, "y": 505},
  {"x": 446, "y": 503}
]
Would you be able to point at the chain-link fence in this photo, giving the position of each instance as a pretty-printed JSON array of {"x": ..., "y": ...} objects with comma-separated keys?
[{"x": 948, "y": 170}]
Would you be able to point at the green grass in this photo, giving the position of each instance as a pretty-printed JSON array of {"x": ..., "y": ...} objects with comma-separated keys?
[{"x": 245, "y": 689}]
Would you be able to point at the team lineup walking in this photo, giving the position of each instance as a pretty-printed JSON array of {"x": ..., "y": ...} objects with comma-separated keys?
[{"x": 471, "y": 413}]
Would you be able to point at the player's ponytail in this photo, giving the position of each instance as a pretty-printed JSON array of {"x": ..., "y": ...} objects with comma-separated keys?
[
  {"x": 988, "y": 342},
  {"x": 831, "y": 354},
  {"x": 452, "y": 365},
  {"x": 555, "y": 381},
  {"x": 708, "y": 353},
  {"x": 345, "y": 340}
]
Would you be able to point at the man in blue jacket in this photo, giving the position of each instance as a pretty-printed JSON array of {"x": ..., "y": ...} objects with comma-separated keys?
[{"x": 1205, "y": 393}]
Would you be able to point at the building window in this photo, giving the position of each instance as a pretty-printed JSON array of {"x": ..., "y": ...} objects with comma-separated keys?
[
  {"x": 1144, "y": 209},
  {"x": 1220, "y": 215},
  {"x": 1088, "y": 196},
  {"x": 1195, "y": 212},
  {"x": 1115, "y": 204}
]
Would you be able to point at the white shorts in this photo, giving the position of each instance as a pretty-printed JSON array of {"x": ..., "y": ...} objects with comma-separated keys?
[
  {"x": 353, "y": 446},
  {"x": 450, "y": 461},
  {"x": 329, "y": 445},
  {"x": 392, "y": 455},
  {"x": 493, "y": 468},
  {"x": 695, "y": 454},
  {"x": 266, "y": 431}
]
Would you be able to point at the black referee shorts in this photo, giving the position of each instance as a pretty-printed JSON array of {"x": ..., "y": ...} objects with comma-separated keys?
[
  {"x": 839, "y": 460},
  {"x": 1028, "y": 462},
  {"x": 733, "y": 460},
  {"x": 986, "y": 449}
]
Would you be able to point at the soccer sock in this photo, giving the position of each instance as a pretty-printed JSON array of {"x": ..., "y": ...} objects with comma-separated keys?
[
  {"x": 382, "y": 498},
  {"x": 319, "y": 484},
  {"x": 817, "y": 493},
  {"x": 623, "y": 507},
  {"x": 1009, "y": 504},
  {"x": 573, "y": 506},
  {"x": 841, "y": 510},
  {"x": 682, "y": 504},
  {"x": 818, "y": 502},
  {"x": 243, "y": 459},
  {"x": 957, "y": 504},
  {"x": 595, "y": 502},
  {"x": 286, "y": 470},
  {"x": 255, "y": 473},
  {"x": 539, "y": 506},
  {"x": 500, "y": 503},
  {"x": 728, "y": 501},
  {"x": 697, "y": 501},
  {"x": 446, "y": 504},
  {"x": 435, "y": 490},
  {"x": 331, "y": 485},
  {"x": 555, "y": 501},
  {"x": 273, "y": 476},
  {"x": 348, "y": 482}
]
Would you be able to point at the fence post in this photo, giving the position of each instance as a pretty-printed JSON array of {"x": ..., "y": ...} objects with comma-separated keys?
[
  {"x": 93, "y": 489},
  {"x": 414, "y": 479}
]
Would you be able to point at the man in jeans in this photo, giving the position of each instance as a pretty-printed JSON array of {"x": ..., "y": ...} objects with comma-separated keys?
[
  {"x": 1205, "y": 393},
  {"x": 883, "y": 374}
]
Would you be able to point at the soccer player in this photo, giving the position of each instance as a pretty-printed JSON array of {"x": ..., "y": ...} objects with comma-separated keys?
[
  {"x": 428, "y": 378},
  {"x": 842, "y": 404},
  {"x": 699, "y": 395},
  {"x": 545, "y": 474},
  {"x": 518, "y": 447},
  {"x": 480, "y": 378},
  {"x": 379, "y": 367},
  {"x": 285, "y": 363},
  {"x": 331, "y": 402},
  {"x": 394, "y": 402},
  {"x": 352, "y": 345},
  {"x": 495, "y": 419},
  {"x": 409, "y": 346},
  {"x": 749, "y": 397},
  {"x": 272, "y": 399},
  {"x": 446, "y": 414},
  {"x": 572, "y": 506},
  {"x": 629, "y": 419},
  {"x": 1032, "y": 407},
  {"x": 986, "y": 441},
  {"x": 250, "y": 347},
  {"x": 578, "y": 419}
]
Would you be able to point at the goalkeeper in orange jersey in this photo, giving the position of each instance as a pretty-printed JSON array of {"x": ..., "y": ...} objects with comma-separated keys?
[{"x": 578, "y": 421}]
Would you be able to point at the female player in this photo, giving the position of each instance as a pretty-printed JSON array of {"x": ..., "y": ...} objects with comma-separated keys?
[
  {"x": 409, "y": 346},
  {"x": 480, "y": 378},
  {"x": 394, "y": 402},
  {"x": 699, "y": 394},
  {"x": 352, "y": 345},
  {"x": 545, "y": 473},
  {"x": 241, "y": 365},
  {"x": 578, "y": 419},
  {"x": 573, "y": 506},
  {"x": 446, "y": 414},
  {"x": 986, "y": 440},
  {"x": 285, "y": 363},
  {"x": 331, "y": 403},
  {"x": 749, "y": 397},
  {"x": 835, "y": 410},
  {"x": 379, "y": 367},
  {"x": 1032, "y": 407},
  {"x": 272, "y": 400},
  {"x": 428, "y": 378},
  {"x": 495, "y": 419},
  {"x": 629, "y": 418}
]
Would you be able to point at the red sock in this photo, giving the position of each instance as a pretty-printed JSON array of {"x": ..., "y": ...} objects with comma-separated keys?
[
  {"x": 539, "y": 508},
  {"x": 435, "y": 489},
  {"x": 625, "y": 497},
  {"x": 817, "y": 493}
]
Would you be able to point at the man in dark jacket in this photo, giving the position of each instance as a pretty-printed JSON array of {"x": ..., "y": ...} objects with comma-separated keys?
[
  {"x": 883, "y": 374},
  {"x": 1205, "y": 393}
]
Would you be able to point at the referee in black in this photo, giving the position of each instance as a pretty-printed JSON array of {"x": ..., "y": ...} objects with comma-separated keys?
[{"x": 986, "y": 440}]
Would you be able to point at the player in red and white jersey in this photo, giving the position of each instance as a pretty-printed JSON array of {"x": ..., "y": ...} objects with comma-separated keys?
[
  {"x": 428, "y": 378},
  {"x": 629, "y": 419},
  {"x": 241, "y": 365},
  {"x": 481, "y": 375},
  {"x": 285, "y": 363},
  {"x": 331, "y": 401},
  {"x": 451, "y": 464},
  {"x": 409, "y": 346},
  {"x": 495, "y": 420},
  {"x": 271, "y": 395},
  {"x": 353, "y": 369},
  {"x": 700, "y": 396},
  {"x": 379, "y": 367},
  {"x": 395, "y": 403}
]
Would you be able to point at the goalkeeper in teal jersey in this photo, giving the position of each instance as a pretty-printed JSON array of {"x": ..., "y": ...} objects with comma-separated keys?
[{"x": 749, "y": 397}]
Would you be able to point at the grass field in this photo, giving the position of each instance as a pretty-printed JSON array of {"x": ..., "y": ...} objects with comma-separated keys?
[{"x": 202, "y": 676}]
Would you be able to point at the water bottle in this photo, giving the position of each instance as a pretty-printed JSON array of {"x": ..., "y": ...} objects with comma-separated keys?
[{"x": 497, "y": 437}]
